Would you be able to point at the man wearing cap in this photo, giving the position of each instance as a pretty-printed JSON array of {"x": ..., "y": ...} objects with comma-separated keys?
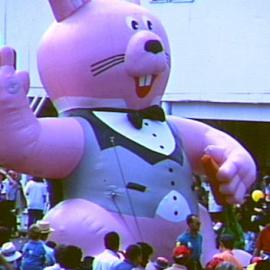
[
  {"x": 181, "y": 257},
  {"x": 45, "y": 230},
  {"x": 193, "y": 240}
]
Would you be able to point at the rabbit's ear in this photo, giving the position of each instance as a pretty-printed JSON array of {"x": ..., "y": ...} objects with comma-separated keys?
[
  {"x": 138, "y": 2},
  {"x": 64, "y": 8}
]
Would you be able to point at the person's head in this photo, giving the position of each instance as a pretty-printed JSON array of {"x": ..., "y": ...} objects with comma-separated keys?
[
  {"x": 45, "y": 229},
  {"x": 10, "y": 253},
  {"x": 112, "y": 241},
  {"x": 133, "y": 254},
  {"x": 161, "y": 263},
  {"x": 266, "y": 179},
  {"x": 181, "y": 255},
  {"x": 14, "y": 175},
  {"x": 147, "y": 252},
  {"x": 226, "y": 241},
  {"x": 70, "y": 257},
  {"x": 193, "y": 223},
  {"x": 58, "y": 251},
  {"x": 34, "y": 232}
]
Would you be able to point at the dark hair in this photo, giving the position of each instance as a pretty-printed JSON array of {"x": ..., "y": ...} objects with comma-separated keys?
[
  {"x": 70, "y": 257},
  {"x": 34, "y": 232},
  {"x": 112, "y": 241},
  {"x": 146, "y": 251},
  {"x": 190, "y": 217},
  {"x": 133, "y": 252},
  {"x": 58, "y": 251},
  {"x": 227, "y": 240}
]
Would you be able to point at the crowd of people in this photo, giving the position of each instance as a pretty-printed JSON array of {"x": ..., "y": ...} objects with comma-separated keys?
[
  {"x": 39, "y": 253},
  {"x": 21, "y": 196},
  {"x": 30, "y": 195}
]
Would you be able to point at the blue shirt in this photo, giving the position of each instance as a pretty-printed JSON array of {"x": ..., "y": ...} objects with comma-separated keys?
[
  {"x": 124, "y": 265},
  {"x": 34, "y": 256},
  {"x": 194, "y": 242}
]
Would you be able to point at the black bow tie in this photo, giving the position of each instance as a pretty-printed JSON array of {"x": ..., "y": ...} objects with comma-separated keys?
[
  {"x": 136, "y": 117},
  {"x": 153, "y": 112}
]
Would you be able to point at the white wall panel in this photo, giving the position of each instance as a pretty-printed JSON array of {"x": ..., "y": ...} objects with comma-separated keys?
[{"x": 220, "y": 48}]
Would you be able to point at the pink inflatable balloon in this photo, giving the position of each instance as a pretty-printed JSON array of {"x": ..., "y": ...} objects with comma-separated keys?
[{"x": 100, "y": 63}]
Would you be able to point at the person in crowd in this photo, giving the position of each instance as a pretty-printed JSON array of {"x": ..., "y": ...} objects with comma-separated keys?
[
  {"x": 213, "y": 263},
  {"x": 45, "y": 230},
  {"x": 215, "y": 210},
  {"x": 4, "y": 265},
  {"x": 160, "y": 263},
  {"x": 58, "y": 251},
  {"x": 5, "y": 216},
  {"x": 111, "y": 255},
  {"x": 11, "y": 185},
  {"x": 181, "y": 258},
  {"x": 3, "y": 176},
  {"x": 36, "y": 195},
  {"x": 70, "y": 258},
  {"x": 10, "y": 188},
  {"x": 226, "y": 246},
  {"x": 86, "y": 264},
  {"x": 147, "y": 252},
  {"x": 4, "y": 234},
  {"x": 202, "y": 193},
  {"x": 266, "y": 181},
  {"x": 33, "y": 251},
  {"x": 11, "y": 255},
  {"x": 133, "y": 256},
  {"x": 262, "y": 246},
  {"x": 193, "y": 240}
]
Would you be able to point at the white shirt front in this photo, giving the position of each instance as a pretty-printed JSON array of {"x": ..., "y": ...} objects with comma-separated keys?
[
  {"x": 36, "y": 194},
  {"x": 106, "y": 260}
]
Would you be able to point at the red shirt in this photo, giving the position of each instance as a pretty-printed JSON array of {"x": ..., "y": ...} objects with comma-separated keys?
[{"x": 263, "y": 239}]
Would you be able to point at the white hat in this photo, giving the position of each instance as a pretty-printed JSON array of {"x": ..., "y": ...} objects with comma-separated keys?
[
  {"x": 9, "y": 252},
  {"x": 3, "y": 172},
  {"x": 44, "y": 226}
]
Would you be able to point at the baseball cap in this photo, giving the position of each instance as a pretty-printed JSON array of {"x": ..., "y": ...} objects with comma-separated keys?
[{"x": 181, "y": 251}]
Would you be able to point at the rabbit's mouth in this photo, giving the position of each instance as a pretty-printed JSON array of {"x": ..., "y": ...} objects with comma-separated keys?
[{"x": 144, "y": 85}]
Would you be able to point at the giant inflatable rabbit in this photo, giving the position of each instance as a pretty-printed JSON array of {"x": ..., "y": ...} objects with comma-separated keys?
[{"x": 126, "y": 166}]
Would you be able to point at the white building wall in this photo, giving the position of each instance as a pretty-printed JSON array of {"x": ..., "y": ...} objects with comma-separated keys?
[{"x": 220, "y": 52}]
